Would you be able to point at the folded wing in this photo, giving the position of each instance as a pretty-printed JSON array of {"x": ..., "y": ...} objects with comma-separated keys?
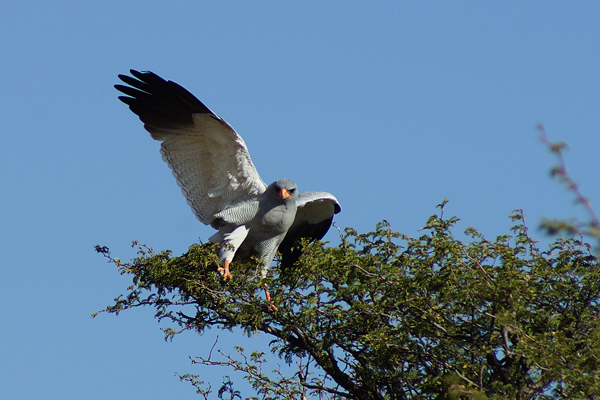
[{"x": 313, "y": 219}]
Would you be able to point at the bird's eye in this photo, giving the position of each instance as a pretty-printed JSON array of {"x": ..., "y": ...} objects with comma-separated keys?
[{"x": 292, "y": 190}]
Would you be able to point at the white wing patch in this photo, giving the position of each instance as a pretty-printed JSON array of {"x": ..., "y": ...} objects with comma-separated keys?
[{"x": 211, "y": 165}]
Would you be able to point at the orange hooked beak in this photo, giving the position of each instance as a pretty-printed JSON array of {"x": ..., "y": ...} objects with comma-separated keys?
[{"x": 284, "y": 194}]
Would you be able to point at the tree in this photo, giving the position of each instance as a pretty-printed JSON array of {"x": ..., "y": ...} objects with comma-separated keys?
[{"x": 387, "y": 316}]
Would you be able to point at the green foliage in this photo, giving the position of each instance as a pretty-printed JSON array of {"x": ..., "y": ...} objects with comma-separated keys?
[{"x": 386, "y": 316}]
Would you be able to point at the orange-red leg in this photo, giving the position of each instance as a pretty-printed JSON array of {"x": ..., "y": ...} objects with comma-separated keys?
[{"x": 268, "y": 296}]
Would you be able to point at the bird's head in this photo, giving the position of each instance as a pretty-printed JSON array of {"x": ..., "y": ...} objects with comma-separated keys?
[{"x": 285, "y": 190}]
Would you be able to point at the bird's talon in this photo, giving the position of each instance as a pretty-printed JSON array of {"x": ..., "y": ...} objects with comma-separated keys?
[{"x": 225, "y": 274}]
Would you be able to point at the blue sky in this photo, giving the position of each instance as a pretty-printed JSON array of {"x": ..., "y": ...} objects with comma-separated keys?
[{"x": 390, "y": 106}]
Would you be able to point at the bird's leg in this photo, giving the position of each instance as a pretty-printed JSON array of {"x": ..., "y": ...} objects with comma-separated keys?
[
  {"x": 224, "y": 271},
  {"x": 268, "y": 296}
]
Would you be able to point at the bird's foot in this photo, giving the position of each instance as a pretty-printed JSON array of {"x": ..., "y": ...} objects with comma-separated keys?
[
  {"x": 225, "y": 275},
  {"x": 224, "y": 271}
]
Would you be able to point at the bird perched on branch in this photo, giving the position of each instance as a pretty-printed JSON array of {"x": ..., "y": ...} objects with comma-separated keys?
[{"x": 211, "y": 164}]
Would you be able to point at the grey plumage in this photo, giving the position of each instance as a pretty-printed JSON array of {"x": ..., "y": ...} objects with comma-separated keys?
[{"x": 212, "y": 165}]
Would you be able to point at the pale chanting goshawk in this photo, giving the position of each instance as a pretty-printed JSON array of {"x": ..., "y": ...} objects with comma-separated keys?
[{"x": 211, "y": 164}]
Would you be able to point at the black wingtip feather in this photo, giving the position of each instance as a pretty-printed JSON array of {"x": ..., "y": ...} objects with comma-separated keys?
[{"x": 157, "y": 102}]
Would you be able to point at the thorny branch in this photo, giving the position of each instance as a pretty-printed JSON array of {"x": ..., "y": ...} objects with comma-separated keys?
[{"x": 561, "y": 173}]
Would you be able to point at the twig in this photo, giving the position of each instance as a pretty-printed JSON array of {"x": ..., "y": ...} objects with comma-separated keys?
[{"x": 563, "y": 174}]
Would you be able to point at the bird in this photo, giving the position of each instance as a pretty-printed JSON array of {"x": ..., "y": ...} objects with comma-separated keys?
[{"x": 212, "y": 165}]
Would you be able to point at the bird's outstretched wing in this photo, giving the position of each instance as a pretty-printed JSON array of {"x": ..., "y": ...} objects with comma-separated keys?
[
  {"x": 314, "y": 215},
  {"x": 208, "y": 158}
]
